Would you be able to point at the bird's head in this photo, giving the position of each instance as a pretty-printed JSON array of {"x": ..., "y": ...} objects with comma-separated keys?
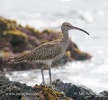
[{"x": 67, "y": 26}]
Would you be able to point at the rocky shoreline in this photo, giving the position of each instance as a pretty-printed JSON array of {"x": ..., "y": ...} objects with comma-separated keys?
[
  {"x": 16, "y": 39},
  {"x": 11, "y": 90}
]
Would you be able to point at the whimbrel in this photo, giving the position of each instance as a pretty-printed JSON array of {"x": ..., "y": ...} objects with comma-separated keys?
[{"x": 48, "y": 52}]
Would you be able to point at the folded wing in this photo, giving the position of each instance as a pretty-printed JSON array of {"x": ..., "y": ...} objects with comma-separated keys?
[{"x": 44, "y": 52}]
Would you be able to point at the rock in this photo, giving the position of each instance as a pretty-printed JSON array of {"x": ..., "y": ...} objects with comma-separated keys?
[
  {"x": 104, "y": 93},
  {"x": 76, "y": 53},
  {"x": 14, "y": 90},
  {"x": 79, "y": 92},
  {"x": 10, "y": 90},
  {"x": 46, "y": 93}
]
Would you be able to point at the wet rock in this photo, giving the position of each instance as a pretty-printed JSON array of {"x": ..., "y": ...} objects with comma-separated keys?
[
  {"x": 79, "y": 92},
  {"x": 104, "y": 93},
  {"x": 34, "y": 41},
  {"x": 3, "y": 25},
  {"x": 50, "y": 35},
  {"x": 62, "y": 91},
  {"x": 15, "y": 91}
]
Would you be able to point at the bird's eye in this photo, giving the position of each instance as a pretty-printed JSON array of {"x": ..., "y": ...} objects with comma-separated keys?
[{"x": 68, "y": 25}]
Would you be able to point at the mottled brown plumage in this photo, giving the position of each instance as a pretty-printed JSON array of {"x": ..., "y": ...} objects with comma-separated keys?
[
  {"x": 43, "y": 52},
  {"x": 48, "y": 52}
]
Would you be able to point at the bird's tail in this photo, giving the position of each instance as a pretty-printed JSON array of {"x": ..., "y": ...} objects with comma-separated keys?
[
  {"x": 18, "y": 59},
  {"x": 14, "y": 61}
]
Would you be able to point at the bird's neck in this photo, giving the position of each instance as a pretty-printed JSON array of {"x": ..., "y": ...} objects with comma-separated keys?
[{"x": 65, "y": 39}]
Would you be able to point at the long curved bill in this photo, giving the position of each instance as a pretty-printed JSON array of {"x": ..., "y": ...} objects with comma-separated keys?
[{"x": 76, "y": 28}]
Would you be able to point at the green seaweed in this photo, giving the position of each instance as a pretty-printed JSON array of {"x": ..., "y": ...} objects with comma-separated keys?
[{"x": 16, "y": 33}]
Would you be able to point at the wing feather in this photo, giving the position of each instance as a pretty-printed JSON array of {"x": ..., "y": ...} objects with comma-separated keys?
[{"x": 42, "y": 52}]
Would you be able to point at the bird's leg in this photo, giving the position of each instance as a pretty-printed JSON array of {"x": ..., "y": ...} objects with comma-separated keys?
[
  {"x": 43, "y": 80},
  {"x": 50, "y": 75}
]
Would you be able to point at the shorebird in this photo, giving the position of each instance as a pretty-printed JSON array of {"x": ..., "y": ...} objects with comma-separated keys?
[{"x": 48, "y": 52}]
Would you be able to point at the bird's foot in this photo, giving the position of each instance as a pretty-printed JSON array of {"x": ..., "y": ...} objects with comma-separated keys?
[
  {"x": 54, "y": 88},
  {"x": 43, "y": 83}
]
